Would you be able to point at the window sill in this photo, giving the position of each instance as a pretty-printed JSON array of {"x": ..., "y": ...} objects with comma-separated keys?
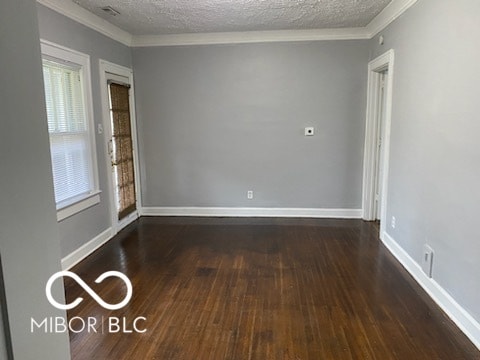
[{"x": 81, "y": 204}]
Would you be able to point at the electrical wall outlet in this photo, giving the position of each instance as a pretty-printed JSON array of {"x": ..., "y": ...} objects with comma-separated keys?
[
  {"x": 250, "y": 194},
  {"x": 394, "y": 222},
  {"x": 427, "y": 260}
]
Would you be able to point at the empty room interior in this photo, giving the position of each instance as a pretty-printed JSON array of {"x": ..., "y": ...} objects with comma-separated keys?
[{"x": 239, "y": 179}]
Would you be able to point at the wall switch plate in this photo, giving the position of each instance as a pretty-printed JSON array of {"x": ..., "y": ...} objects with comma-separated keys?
[
  {"x": 394, "y": 222},
  {"x": 427, "y": 260},
  {"x": 250, "y": 194},
  {"x": 309, "y": 131},
  {"x": 100, "y": 128}
]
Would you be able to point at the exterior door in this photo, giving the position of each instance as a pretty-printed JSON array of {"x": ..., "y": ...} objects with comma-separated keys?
[{"x": 121, "y": 149}]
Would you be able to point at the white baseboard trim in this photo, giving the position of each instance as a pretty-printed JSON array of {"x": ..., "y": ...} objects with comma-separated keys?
[
  {"x": 86, "y": 249},
  {"x": 252, "y": 212},
  {"x": 466, "y": 323}
]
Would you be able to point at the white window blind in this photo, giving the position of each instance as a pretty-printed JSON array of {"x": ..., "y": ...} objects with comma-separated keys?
[{"x": 69, "y": 132}]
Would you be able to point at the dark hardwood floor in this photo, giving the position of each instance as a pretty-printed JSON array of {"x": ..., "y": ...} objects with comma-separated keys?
[{"x": 260, "y": 289}]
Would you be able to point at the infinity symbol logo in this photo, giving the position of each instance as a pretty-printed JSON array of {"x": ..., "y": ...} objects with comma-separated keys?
[{"x": 88, "y": 289}]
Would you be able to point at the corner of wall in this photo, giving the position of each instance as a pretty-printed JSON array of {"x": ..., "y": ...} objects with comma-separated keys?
[
  {"x": 467, "y": 324},
  {"x": 86, "y": 249}
]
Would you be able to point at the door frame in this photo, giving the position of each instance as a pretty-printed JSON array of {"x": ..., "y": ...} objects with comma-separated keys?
[
  {"x": 107, "y": 68},
  {"x": 375, "y": 68}
]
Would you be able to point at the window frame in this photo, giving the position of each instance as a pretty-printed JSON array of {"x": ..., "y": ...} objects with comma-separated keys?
[{"x": 63, "y": 55}]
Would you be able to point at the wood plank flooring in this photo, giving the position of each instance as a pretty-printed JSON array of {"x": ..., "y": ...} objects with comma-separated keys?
[{"x": 286, "y": 289}]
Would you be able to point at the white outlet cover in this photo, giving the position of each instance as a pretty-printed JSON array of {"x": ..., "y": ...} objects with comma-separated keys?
[
  {"x": 309, "y": 131},
  {"x": 427, "y": 260}
]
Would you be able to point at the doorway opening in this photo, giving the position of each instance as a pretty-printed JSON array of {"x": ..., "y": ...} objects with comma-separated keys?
[
  {"x": 379, "y": 155},
  {"x": 377, "y": 139}
]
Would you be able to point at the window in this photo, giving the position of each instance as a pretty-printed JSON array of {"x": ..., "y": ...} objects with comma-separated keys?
[{"x": 66, "y": 76}]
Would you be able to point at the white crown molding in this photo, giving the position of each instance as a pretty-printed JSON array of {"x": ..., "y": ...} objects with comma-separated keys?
[
  {"x": 388, "y": 15},
  {"x": 79, "y": 14},
  {"x": 75, "y": 12},
  {"x": 252, "y": 212},
  {"x": 245, "y": 37}
]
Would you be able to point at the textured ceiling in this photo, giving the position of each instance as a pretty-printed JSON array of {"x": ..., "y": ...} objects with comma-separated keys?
[{"x": 155, "y": 17}]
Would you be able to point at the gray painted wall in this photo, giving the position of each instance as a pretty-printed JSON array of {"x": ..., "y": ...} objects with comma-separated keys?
[
  {"x": 435, "y": 148},
  {"x": 216, "y": 121},
  {"x": 29, "y": 239},
  {"x": 80, "y": 228},
  {"x": 5, "y": 341}
]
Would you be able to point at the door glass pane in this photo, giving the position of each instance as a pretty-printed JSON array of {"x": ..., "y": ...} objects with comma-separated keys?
[{"x": 122, "y": 150}]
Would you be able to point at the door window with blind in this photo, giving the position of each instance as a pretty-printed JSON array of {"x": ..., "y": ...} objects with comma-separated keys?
[
  {"x": 121, "y": 149},
  {"x": 70, "y": 126}
]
